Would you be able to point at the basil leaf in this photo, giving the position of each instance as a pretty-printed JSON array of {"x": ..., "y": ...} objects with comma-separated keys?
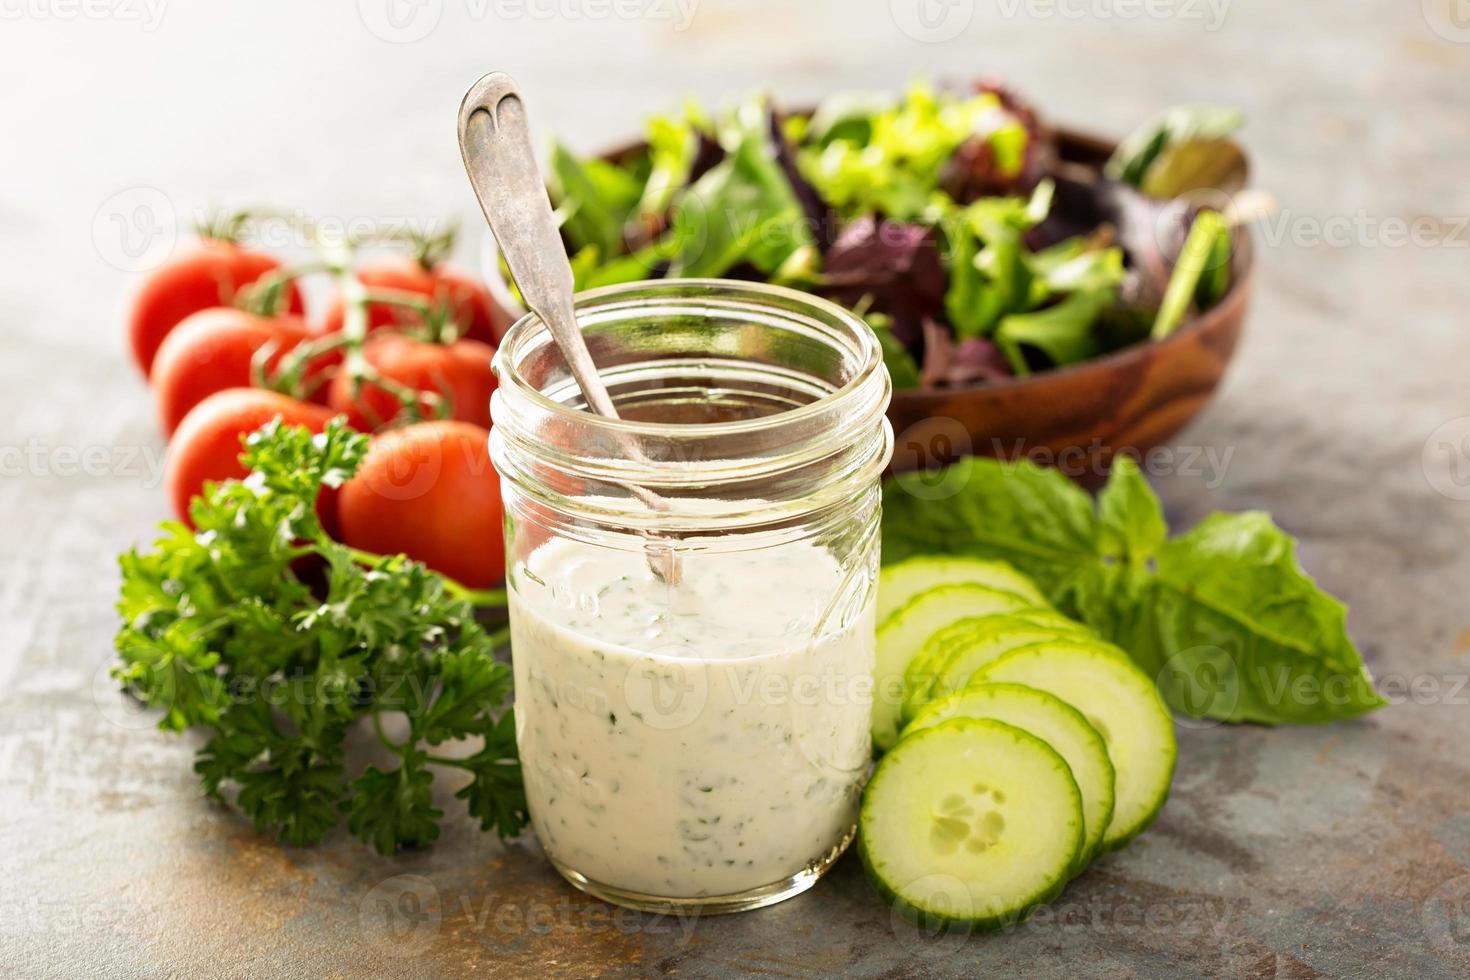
[
  {"x": 1230, "y": 606},
  {"x": 1222, "y": 617},
  {"x": 1107, "y": 594},
  {"x": 1131, "y": 526},
  {"x": 1034, "y": 518}
]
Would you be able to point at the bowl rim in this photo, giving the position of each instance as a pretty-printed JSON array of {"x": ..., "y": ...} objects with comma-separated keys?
[{"x": 1091, "y": 144}]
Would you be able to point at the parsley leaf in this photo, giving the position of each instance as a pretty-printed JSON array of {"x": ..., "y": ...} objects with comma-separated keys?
[
  {"x": 496, "y": 795},
  {"x": 282, "y": 642}
]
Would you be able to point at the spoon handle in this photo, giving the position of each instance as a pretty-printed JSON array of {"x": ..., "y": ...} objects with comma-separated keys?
[{"x": 495, "y": 142}]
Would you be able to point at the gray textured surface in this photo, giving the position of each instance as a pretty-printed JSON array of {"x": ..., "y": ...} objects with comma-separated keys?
[{"x": 1340, "y": 851}]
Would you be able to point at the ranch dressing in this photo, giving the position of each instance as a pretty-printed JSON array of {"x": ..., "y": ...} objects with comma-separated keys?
[{"x": 694, "y": 740}]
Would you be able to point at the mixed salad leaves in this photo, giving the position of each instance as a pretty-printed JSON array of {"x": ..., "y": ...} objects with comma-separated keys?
[{"x": 946, "y": 218}]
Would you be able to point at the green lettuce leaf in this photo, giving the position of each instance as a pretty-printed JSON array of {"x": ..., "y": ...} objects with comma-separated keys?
[
  {"x": 903, "y": 371},
  {"x": 989, "y": 275},
  {"x": 871, "y": 155},
  {"x": 594, "y": 197},
  {"x": 1134, "y": 156},
  {"x": 742, "y": 210},
  {"x": 1062, "y": 332},
  {"x": 1208, "y": 242}
]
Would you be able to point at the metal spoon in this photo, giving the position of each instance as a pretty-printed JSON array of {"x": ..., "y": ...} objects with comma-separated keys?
[{"x": 495, "y": 142}]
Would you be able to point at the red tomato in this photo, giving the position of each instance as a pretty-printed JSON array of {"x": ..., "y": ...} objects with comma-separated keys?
[
  {"x": 476, "y": 314},
  {"x": 212, "y": 350},
  {"x": 428, "y": 491},
  {"x": 459, "y": 371},
  {"x": 207, "y": 444},
  {"x": 211, "y": 274}
]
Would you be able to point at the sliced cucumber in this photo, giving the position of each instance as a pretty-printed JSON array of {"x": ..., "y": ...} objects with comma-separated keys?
[
  {"x": 970, "y": 825},
  {"x": 898, "y": 584},
  {"x": 1056, "y": 723},
  {"x": 948, "y": 659},
  {"x": 904, "y": 634},
  {"x": 1120, "y": 702}
]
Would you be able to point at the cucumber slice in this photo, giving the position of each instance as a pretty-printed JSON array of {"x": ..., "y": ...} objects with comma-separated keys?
[
  {"x": 900, "y": 583},
  {"x": 904, "y": 633},
  {"x": 959, "y": 632},
  {"x": 970, "y": 825},
  {"x": 1056, "y": 723},
  {"x": 950, "y": 656},
  {"x": 1123, "y": 705}
]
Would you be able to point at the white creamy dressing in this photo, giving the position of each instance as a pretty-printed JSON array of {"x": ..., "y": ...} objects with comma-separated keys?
[{"x": 695, "y": 740}]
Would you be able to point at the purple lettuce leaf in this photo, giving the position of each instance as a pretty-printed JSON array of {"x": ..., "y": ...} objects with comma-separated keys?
[{"x": 895, "y": 265}]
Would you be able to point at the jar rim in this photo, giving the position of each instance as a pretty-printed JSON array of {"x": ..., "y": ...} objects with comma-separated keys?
[{"x": 530, "y": 329}]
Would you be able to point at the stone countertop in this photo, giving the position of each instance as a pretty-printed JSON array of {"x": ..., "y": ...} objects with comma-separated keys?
[{"x": 1335, "y": 851}]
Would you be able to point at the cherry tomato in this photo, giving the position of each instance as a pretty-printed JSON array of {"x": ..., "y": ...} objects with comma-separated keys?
[
  {"x": 212, "y": 350},
  {"x": 210, "y": 274},
  {"x": 475, "y": 312},
  {"x": 428, "y": 491},
  {"x": 460, "y": 372},
  {"x": 207, "y": 443}
]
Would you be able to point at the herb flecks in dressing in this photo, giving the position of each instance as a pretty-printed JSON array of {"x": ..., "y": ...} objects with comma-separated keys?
[{"x": 694, "y": 740}]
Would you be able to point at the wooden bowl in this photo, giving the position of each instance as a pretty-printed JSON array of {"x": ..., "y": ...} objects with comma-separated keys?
[
  {"x": 1074, "y": 418},
  {"x": 1077, "y": 418}
]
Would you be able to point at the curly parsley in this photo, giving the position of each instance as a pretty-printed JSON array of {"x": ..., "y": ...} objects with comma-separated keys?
[{"x": 276, "y": 639}]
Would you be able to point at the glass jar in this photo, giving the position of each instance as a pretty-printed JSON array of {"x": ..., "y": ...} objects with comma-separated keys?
[{"x": 693, "y": 671}]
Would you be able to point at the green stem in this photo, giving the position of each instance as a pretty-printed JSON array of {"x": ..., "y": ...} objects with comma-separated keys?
[
  {"x": 264, "y": 295},
  {"x": 488, "y": 598},
  {"x": 383, "y": 736},
  {"x": 430, "y": 250},
  {"x": 354, "y": 332},
  {"x": 398, "y": 297},
  {"x": 290, "y": 373}
]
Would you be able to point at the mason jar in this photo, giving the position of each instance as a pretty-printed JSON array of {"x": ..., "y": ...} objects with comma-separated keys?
[{"x": 691, "y": 588}]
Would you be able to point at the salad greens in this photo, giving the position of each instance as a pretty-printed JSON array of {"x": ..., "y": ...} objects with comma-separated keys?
[
  {"x": 945, "y": 216},
  {"x": 277, "y": 640},
  {"x": 1185, "y": 148},
  {"x": 1221, "y": 616}
]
